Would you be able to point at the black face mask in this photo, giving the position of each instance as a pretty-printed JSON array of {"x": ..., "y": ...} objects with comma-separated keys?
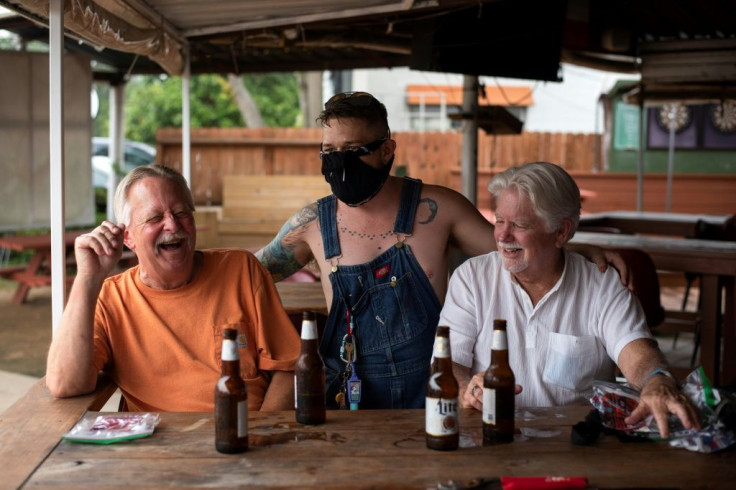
[{"x": 353, "y": 181}]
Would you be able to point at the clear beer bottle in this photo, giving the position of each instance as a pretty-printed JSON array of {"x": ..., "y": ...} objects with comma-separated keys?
[
  {"x": 231, "y": 400},
  {"x": 309, "y": 376},
  {"x": 498, "y": 391},
  {"x": 441, "y": 426}
]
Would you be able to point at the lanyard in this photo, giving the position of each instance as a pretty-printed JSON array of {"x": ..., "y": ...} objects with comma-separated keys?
[{"x": 351, "y": 385}]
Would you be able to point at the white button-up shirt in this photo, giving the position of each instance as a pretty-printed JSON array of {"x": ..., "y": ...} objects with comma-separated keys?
[{"x": 556, "y": 348}]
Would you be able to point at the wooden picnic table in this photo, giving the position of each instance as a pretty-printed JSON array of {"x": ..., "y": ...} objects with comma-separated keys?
[
  {"x": 297, "y": 297},
  {"x": 354, "y": 449},
  {"x": 36, "y": 272},
  {"x": 654, "y": 223},
  {"x": 715, "y": 261}
]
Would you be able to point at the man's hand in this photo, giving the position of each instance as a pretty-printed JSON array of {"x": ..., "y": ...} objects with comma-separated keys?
[
  {"x": 602, "y": 257},
  {"x": 660, "y": 397},
  {"x": 98, "y": 251},
  {"x": 615, "y": 259},
  {"x": 472, "y": 394}
]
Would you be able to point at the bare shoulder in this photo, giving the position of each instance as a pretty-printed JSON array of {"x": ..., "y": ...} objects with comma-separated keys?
[
  {"x": 301, "y": 222},
  {"x": 443, "y": 194},
  {"x": 443, "y": 203}
]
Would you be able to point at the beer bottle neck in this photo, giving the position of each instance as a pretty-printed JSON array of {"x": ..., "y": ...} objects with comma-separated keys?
[
  {"x": 442, "y": 347},
  {"x": 499, "y": 348},
  {"x": 309, "y": 330},
  {"x": 230, "y": 357}
]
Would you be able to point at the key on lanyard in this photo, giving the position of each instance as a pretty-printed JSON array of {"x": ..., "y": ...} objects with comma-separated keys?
[
  {"x": 341, "y": 397},
  {"x": 348, "y": 351}
]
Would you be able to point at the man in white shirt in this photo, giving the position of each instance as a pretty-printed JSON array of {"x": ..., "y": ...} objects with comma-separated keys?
[{"x": 567, "y": 324}]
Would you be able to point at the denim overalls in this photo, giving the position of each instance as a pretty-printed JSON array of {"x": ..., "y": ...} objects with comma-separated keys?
[{"x": 395, "y": 311}]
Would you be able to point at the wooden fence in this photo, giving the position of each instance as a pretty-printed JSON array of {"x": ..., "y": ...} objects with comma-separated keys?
[
  {"x": 292, "y": 151},
  {"x": 435, "y": 158},
  {"x": 691, "y": 193}
]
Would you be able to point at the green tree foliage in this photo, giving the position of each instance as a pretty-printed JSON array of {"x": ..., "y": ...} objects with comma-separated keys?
[
  {"x": 101, "y": 121},
  {"x": 155, "y": 102},
  {"x": 277, "y": 96}
]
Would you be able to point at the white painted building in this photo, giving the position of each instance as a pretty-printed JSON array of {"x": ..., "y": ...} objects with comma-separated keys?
[{"x": 567, "y": 107}]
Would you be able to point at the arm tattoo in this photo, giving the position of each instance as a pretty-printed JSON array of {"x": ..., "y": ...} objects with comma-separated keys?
[
  {"x": 278, "y": 256},
  {"x": 432, "y": 204}
]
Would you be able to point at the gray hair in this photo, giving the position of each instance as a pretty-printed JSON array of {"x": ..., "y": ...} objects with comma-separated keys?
[
  {"x": 121, "y": 205},
  {"x": 554, "y": 195}
]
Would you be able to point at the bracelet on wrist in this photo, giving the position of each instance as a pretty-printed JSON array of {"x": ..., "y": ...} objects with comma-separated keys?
[{"x": 656, "y": 372}]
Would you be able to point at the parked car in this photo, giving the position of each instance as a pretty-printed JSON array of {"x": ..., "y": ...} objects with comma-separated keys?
[{"x": 135, "y": 155}]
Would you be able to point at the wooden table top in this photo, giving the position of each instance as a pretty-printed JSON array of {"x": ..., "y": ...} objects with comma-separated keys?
[
  {"x": 379, "y": 449},
  {"x": 674, "y": 224},
  {"x": 302, "y": 296},
  {"x": 714, "y": 219},
  {"x": 678, "y": 254},
  {"x": 361, "y": 449}
]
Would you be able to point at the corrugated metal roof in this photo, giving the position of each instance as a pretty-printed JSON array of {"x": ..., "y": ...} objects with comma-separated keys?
[{"x": 228, "y": 36}]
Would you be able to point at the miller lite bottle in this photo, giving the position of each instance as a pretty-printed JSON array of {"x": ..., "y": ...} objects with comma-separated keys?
[{"x": 442, "y": 429}]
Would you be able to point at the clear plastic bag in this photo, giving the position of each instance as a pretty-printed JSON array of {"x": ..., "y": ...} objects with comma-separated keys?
[
  {"x": 615, "y": 402},
  {"x": 96, "y": 428}
]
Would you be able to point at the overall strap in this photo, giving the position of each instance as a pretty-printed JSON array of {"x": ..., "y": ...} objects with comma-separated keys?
[
  {"x": 327, "y": 209},
  {"x": 410, "y": 193}
]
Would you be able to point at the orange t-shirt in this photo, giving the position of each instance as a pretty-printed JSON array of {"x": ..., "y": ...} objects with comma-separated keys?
[{"x": 162, "y": 347}]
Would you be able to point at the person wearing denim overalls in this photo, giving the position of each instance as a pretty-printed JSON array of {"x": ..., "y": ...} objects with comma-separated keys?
[
  {"x": 381, "y": 244},
  {"x": 395, "y": 313}
]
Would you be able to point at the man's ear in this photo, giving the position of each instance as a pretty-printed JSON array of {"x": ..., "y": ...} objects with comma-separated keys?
[
  {"x": 387, "y": 150},
  {"x": 127, "y": 239},
  {"x": 562, "y": 235}
]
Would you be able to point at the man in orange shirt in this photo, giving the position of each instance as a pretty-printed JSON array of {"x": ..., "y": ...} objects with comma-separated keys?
[{"x": 157, "y": 327}]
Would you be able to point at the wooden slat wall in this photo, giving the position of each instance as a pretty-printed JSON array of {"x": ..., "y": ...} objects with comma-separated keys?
[
  {"x": 237, "y": 151},
  {"x": 256, "y": 206},
  {"x": 294, "y": 151},
  {"x": 435, "y": 158},
  {"x": 691, "y": 193}
]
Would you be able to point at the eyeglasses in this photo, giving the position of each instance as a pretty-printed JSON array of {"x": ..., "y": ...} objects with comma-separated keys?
[
  {"x": 358, "y": 99},
  {"x": 361, "y": 151}
]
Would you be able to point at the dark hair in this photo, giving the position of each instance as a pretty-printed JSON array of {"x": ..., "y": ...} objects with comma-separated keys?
[{"x": 356, "y": 105}]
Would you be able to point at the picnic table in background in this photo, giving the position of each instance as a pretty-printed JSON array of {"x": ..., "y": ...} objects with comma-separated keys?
[
  {"x": 647, "y": 222},
  {"x": 715, "y": 261},
  {"x": 36, "y": 272}
]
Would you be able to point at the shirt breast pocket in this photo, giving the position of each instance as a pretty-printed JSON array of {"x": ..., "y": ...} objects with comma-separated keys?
[
  {"x": 245, "y": 341},
  {"x": 571, "y": 361}
]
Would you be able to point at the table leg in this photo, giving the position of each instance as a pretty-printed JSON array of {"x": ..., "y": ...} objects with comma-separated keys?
[
  {"x": 21, "y": 292},
  {"x": 710, "y": 332}
]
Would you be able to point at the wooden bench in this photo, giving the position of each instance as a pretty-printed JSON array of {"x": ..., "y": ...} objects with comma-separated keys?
[
  {"x": 9, "y": 271},
  {"x": 254, "y": 207}
]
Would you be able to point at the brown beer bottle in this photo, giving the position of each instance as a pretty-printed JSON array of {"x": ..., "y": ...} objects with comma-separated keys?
[
  {"x": 498, "y": 391},
  {"x": 441, "y": 426},
  {"x": 309, "y": 376},
  {"x": 231, "y": 400}
]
